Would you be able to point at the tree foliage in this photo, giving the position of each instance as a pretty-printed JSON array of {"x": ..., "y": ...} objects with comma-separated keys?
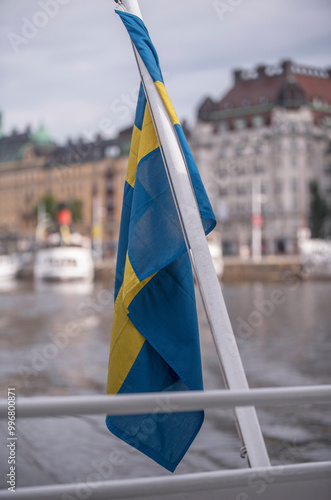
[
  {"x": 76, "y": 209},
  {"x": 318, "y": 211},
  {"x": 51, "y": 207}
]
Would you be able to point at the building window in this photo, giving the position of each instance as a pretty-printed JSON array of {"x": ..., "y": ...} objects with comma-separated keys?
[
  {"x": 317, "y": 102},
  {"x": 293, "y": 127},
  {"x": 258, "y": 169},
  {"x": 293, "y": 144},
  {"x": 245, "y": 103},
  {"x": 223, "y": 174},
  {"x": 241, "y": 189},
  {"x": 228, "y": 105},
  {"x": 294, "y": 185},
  {"x": 240, "y": 170},
  {"x": 112, "y": 151},
  {"x": 309, "y": 128},
  {"x": 258, "y": 147},
  {"x": 96, "y": 153},
  {"x": 278, "y": 186},
  {"x": 327, "y": 169},
  {"x": 240, "y": 123},
  {"x": 110, "y": 203},
  {"x": 258, "y": 121},
  {"x": 263, "y": 99},
  {"x": 223, "y": 126},
  {"x": 294, "y": 161},
  {"x": 295, "y": 203}
]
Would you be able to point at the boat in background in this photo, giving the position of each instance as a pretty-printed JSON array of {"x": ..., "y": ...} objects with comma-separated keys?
[
  {"x": 62, "y": 255},
  {"x": 315, "y": 255},
  {"x": 9, "y": 266},
  {"x": 64, "y": 261},
  {"x": 217, "y": 257},
  {"x": 216, "y": 252}
]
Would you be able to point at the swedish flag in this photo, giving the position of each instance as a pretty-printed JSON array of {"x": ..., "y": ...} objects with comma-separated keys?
[{"x": 155, "y": 338}]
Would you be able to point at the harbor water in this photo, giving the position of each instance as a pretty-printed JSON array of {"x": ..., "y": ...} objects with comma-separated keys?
[{"x": 55, "y": 341}]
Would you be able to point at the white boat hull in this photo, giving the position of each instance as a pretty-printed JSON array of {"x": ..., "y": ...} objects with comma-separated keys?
[
  {"x": 316, "y": 256},
  {"x": 8, "y": 267},
  {"x": 64, "y": 264}
]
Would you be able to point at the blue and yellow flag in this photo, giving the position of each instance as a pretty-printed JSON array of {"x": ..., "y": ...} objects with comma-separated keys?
[{"x": 155, "y": 339}]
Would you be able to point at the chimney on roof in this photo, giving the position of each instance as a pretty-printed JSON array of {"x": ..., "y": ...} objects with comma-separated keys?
[
  {"x": 287, "y": 66},
  {"x": 329, "y": 72},
  {"x": 237, "y": 75},
  {"x": 261, "y": 70}
]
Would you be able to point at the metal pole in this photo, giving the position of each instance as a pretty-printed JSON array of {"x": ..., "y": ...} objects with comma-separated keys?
[
  {"x": 290, "y": 481},
  {"x": 210, "y": 289},
  {"x": 256, "y": 220},
  {"x": 165, "y": 402}
]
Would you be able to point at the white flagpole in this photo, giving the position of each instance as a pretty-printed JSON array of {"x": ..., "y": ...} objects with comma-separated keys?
[{"x": 233, "y": 371}]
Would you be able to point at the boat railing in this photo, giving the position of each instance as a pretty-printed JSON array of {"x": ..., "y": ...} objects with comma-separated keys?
[{"x": 151, "y": 487}]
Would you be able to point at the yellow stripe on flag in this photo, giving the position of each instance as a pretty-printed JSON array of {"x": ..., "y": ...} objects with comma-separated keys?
[
  {"x": 124, "y": 349},
  {"x": 148, "y": 139},
  {"x": 165, "y": 98},
  {"x": 133, "y": 158}
]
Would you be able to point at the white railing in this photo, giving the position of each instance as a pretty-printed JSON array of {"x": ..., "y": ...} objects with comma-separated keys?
[
  {"x": 161, "y": 402},
  {"x": 200, "y": 484},
  {"x": 225, "y": 481}
]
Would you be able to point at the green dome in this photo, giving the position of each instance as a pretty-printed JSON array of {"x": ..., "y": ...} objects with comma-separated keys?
[{"x": 41, "y": 136}]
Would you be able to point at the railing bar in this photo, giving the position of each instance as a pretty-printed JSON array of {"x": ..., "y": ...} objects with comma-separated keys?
[
  {"x": 152, "y": 486},
  {"x": 165, "y": 402}
]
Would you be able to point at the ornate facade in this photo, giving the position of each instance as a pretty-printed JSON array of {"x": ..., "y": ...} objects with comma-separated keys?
[
  {"x": 32, "y": 165},
  {"x": 273, "y": 125}
]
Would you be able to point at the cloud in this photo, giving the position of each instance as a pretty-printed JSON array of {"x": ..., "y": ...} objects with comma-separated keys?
[{"x": 82, "y": 56}]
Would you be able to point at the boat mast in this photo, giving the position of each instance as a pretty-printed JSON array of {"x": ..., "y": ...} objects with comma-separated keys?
[{"x": 211, "y": 293}]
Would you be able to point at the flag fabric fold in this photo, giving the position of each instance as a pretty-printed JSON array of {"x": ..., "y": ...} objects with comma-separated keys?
[{"x": 155, "y": 339}]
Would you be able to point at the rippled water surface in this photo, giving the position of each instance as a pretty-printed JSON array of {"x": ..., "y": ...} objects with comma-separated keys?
[{"x": 55, "y": 341}]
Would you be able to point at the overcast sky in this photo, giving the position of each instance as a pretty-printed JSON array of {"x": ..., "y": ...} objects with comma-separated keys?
[{"x": 75, "y": 72}]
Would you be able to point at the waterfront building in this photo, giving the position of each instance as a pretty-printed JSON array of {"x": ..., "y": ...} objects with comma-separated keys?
[
  {"x": 273, "y": 125},
  {"x": 92, "y": 173}
]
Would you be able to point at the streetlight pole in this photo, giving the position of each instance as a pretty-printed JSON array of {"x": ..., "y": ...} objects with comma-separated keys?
[{"x": 256, "y": 221}]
